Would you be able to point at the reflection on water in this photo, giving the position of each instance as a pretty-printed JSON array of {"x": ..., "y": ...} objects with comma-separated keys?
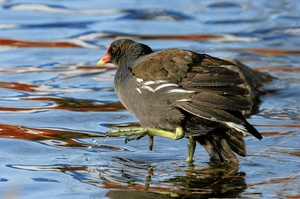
[
  {"x": 55, "y": 104},
  {"x": 207, "y": 182},
  {"x": 137, "y": 179}
]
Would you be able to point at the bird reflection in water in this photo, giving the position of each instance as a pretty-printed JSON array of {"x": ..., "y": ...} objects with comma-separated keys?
[{"x": 213, "y": 180}]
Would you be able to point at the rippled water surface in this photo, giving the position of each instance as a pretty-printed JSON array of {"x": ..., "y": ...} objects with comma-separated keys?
[{"x": 56, "y": 105}]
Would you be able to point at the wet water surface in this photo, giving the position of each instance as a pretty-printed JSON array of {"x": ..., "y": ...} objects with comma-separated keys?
[{"x": 56, "y": 105}]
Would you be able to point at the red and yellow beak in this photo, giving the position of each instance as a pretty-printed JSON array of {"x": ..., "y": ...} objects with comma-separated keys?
[{"x": 105, "y": 59}]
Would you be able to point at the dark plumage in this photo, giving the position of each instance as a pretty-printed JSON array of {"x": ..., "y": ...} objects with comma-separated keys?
[{"x": 174, "y": 87}]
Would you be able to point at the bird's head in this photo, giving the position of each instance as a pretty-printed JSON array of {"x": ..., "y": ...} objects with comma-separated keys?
[{"x": 124, "y": 52}]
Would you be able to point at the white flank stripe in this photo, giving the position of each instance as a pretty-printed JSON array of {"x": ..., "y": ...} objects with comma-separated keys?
[
  {"x": 183, "y": 100},
  {"x": 139, "y": 90},
  {"x": 148, "y": 88},
  {"x": 237, "y": 127},
  {"x": 165, "y": 85},
  {"x": 147, "y": 83},
  {"x": 139, "y": 80},
  {"x": 180, "y": 91}
]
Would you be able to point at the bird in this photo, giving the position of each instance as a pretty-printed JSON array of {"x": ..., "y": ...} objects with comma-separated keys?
[{"x": 177, "y": 93}]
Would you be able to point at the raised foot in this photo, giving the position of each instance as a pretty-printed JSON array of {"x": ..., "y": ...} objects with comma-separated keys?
[{"x": 135, "y": 133}]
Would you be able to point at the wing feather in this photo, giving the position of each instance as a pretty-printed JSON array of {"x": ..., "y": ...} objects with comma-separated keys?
[
  {"x": 225, "y": 102},
  {"x": 215, "y": 88},
  {"x": 211, "y": 114}
]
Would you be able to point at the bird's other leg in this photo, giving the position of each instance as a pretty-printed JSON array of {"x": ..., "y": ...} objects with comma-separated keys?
[
  {"x": 191, "y": 149},
  {"x": 150, "y": 143}
]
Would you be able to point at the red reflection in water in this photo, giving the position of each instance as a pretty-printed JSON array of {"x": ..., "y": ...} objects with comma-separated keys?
[
  {"x": 28, "y": 133},
  {"x": 18, "y": 86},
  {"x": 25, "y": 44},
  {"x": 202, "y": 37}
]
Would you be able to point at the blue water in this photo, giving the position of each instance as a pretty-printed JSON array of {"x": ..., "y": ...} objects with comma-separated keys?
[{"x": 56, "y": 105}]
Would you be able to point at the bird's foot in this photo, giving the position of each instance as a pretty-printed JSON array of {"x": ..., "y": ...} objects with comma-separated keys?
[{"x": 135, "y": 133}]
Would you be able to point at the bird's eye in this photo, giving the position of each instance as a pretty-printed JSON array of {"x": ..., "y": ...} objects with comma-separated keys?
[{"x": 113, "y": 49}]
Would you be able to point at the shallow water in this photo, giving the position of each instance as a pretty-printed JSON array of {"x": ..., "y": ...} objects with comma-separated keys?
[{"x": 55, "y": 104}]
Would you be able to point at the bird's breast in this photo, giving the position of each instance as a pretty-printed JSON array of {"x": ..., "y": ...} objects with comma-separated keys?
[{"x": 152, "y": 102}]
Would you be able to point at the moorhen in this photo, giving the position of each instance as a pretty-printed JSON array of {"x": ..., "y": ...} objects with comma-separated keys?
[{"x": 178, "y": 93}]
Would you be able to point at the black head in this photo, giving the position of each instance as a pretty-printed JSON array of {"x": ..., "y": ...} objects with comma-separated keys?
[{"x": 123, "y": 52}]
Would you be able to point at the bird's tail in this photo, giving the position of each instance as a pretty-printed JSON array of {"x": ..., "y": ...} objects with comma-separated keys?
[{"x": 222, "y": 146}]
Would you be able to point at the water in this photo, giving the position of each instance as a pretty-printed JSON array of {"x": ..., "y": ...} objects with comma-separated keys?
[{"x": 55, "y": 104}]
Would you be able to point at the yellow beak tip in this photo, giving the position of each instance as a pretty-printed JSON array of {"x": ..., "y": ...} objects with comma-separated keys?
[{"x": 100, "y": 63}]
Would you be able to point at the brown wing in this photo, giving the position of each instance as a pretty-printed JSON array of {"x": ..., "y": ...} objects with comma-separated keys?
[
  {"x": 170, "y": 64},
  {"x": 220, "y": 90},
  {"x": 218, "y": 85}
]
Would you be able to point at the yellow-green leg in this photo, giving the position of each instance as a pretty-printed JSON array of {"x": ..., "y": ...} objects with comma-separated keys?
[
  {"x": 150, "y": 143},
  {"x": 191, "y": 149},
  {"x": 135, "y": 133}
]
